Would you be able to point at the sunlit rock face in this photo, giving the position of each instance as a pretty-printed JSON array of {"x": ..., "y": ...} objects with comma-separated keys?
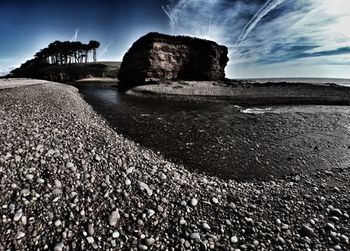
[{"x": 158, "y": 57}]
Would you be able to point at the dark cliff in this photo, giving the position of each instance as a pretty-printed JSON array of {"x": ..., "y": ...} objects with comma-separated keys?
[{"x": 162, "y": 57}]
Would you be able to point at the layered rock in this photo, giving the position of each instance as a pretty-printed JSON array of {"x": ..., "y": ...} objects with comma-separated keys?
[{"x": 162, "y": 57}]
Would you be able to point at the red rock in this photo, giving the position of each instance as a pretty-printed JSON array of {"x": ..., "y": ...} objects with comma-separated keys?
[{"x": 160, "y": 57}]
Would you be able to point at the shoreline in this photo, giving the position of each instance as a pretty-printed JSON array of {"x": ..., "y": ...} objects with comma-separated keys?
[
  {"x": 247, "y": 93},
  {"x": 68, "y": 181}
]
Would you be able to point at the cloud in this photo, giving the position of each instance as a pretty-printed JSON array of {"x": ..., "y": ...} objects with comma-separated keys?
[
  {"x": 285, "y": 32},
  {"x": 105, "y": 49}
]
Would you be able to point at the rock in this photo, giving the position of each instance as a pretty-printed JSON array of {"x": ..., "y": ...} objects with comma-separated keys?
[
  {"x": 162, "y": 57},
  {"x": 330, "y": 226},
  {"x": 114, "y": 218},
  {"x": 58, "y": 184},
  {"x": 20, "y": 235},
  {"x": 90, "y": 239},
  {"x": 18, "y": 215},
  {"x": 90, "y": 229},
  {"x": 194, "y": 202},
  {"x": 149, "y": 241},
  {"x": 145, "y": 187},
  {"x": 58, "y": 247},
  {"x": 115, "y": 234},
  {"x": 127, "y": 182},
  {"x": 57, "y": 223},
  {"x": 234, "y": 239},
  {"x": 335, "y": 212},
  {"x": 215, "y": 200},
  {"x": 306, "y": 231},
  {"x": 69, "y": 165},
  {"x": 195, "y": 236},
  {"x": 205, "y": 226},
  {"x": 143, "y": 247}
]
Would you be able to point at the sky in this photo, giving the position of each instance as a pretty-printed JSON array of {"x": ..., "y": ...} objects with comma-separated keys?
[{"x": 266, "y": 38}]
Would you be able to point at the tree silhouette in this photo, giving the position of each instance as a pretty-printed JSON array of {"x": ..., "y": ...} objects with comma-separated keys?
[
  {"x": 64, "y": 53},
  {"x": 94, "y": 45}
]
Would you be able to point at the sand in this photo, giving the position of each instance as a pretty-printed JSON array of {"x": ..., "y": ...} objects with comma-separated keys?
[{"x": 245, "y": 92}]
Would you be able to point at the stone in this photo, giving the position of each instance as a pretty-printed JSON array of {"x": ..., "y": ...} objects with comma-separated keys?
[
  {"x": 58, "y": 247},
  {"x": 336, "y": 212},
  {"x": 69, "y": 165},
  {"x": 115, "y": 234},
  {"x": 114, "y": 218},
  {"x": 57, "y": 223},
  {"x": 194, "y": 202},
  {"x": 306, "y": 231},
  {"x": 18, "y": 215},
  {"x": 20, "y": 235},
  {"x": 195, "y": 236},
  {"x": 163, "y": 57},
  {"x": 90, "y": 239},
  {"x": 205, "y": 226},
  {"x": 149, "y": 241},
  {"x": 330, "y": 226},
  {"x": 234, "y": 239},
  {"x": 58, "y": 184},
  {"x": 145, "y": 187},
  {"x": 90, "y": 229}
]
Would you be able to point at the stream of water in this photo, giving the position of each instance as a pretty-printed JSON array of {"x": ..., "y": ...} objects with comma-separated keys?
[{"x": 226, "y": 140}]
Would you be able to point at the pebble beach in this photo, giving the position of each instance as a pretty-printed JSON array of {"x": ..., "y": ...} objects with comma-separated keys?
[{"x": 68, "y": 181}]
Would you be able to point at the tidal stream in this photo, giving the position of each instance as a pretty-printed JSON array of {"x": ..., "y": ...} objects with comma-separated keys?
[{"x": 226, "y": 140}]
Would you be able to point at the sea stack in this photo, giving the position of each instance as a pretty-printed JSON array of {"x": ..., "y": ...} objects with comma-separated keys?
[{"x": 159, "y": 57}]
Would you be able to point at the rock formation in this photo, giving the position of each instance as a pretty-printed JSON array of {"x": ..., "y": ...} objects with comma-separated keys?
[{"x": 159, "y": 57}]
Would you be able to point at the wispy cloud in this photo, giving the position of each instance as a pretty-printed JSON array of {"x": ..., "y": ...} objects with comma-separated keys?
[
  {"x": 75, "y": 36},
  {"x": 259, "y": 33},
  {"x": 105, "y": 49}
]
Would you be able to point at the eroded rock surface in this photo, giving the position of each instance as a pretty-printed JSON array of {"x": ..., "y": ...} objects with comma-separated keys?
[{"x": 162, "y": 57}]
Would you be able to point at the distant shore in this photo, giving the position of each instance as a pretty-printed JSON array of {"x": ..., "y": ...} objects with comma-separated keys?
[{"x": 246, "y": 92}]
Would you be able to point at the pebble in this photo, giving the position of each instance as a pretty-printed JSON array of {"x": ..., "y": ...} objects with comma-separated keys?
[
  {"x": 194, "y": 202},
  {"x": 307, "y": 231},
  {"x": 20, "y": 235},
  {"x": 145, "y": 187},
  {"x": 330, "y": 226},
  {"x": 206, "y": 226},
  {"x": 18, "y": 215},
  {"x": 215, "y": 200},
  {"x": 149, "y": 241},
  {"x": 115, "y": 234},
  {"x": 143, "y": 247},
  {"x": 114, "y": 218},
  {"x": 69, "y": 165},
  {"x": 58, "y": 184},
  {"x": 195, "y": 236},
  {"x": 57, "y": 223},
  {"x": 59, "y": 247},
  {"x": 336, "y": 212},
  {"x": 127, "y": 182},
  {"x": 90, "y": 229},
  {"x": 90, "y": 239},
  {"x": 234, "y": 239}
]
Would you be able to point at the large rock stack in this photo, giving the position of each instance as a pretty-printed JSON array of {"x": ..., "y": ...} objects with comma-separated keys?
[{"x": 159, "y": 57}]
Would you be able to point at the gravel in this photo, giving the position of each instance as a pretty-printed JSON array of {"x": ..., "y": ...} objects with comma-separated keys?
[{"x": 121, "y": 196}]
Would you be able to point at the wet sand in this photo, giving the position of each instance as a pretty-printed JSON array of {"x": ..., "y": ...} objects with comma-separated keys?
[{"x": 248, "y": 92}]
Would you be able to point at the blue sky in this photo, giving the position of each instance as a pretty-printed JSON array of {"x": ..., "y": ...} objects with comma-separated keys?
[{"x": 266, "y": 38}]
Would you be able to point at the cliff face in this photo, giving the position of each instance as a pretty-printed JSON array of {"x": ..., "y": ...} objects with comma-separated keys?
[{"x": 162, "y": 57}]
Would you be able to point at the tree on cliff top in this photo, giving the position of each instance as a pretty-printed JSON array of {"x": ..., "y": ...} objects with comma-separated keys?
[{"x": 63, "y": 53}]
